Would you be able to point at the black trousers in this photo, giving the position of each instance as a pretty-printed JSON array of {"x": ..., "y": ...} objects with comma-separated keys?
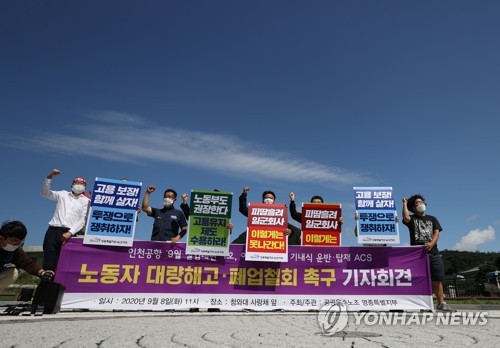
[{"x": 52, "y": 244}]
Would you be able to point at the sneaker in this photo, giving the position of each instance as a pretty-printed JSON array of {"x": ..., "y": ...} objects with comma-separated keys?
[{"x": 443, "y": 307}]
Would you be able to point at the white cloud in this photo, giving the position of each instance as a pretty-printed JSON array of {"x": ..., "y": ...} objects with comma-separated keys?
[
  {"x": 114, "y": 116},
  {"x": 473, "y": 217},
  {"x": 472, "y": 240},
  {"x": 126, "y": 138}
]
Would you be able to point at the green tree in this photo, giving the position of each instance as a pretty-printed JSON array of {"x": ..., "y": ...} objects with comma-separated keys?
[{"x": 458, "y": 261}]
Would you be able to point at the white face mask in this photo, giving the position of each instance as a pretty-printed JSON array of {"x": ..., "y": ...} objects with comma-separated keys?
[
  {"x": 268, "y": 201},
  {"x": 78, "y": 189},
  {"x": 420, "y": 208},
  {"x": 168, "y": 201},
  {"x": 10, "y": 247}
]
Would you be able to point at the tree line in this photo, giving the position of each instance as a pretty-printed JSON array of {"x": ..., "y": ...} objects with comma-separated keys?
[{"x": 459, "y": 261}]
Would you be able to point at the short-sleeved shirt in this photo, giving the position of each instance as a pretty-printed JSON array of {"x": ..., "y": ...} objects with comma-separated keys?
[
  {"x": 168, "y": 223},
  {"x": 422, "y": 230}
]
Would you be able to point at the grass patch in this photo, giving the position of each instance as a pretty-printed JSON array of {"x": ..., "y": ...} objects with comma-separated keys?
[{"x": 24, "y": 279}]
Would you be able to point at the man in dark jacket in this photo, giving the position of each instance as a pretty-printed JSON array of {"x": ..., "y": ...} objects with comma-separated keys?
[
  {"x": 268, "y": 197},
  {"x": 12, "y": 255}
]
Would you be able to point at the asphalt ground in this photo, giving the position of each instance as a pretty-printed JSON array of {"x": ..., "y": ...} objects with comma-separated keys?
[{"x": 248, "y": 329}]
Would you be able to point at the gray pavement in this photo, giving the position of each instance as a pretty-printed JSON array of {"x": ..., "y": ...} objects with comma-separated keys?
[{"x": 243, "y": 329}]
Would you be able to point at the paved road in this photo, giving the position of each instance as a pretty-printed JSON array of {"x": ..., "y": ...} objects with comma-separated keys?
[{"x": 239, "y": 329}]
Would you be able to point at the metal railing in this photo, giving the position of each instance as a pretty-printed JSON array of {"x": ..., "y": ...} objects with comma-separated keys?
[{"x": 470, "y": 287}]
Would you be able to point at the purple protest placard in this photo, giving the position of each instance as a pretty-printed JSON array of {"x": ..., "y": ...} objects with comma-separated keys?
[{"x": 159, "y": 275}]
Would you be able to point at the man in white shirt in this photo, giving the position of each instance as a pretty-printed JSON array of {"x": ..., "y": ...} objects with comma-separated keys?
[{"x": 69, "y": 217}]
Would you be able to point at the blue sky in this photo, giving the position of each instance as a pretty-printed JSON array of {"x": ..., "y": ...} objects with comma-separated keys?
[{"x": 313, "y": 97}]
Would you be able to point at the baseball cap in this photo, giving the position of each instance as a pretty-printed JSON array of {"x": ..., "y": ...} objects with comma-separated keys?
[{"x": 80, "y": 179}]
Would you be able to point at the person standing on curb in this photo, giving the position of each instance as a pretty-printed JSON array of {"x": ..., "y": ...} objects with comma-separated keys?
[
  {"x": 69, "y": 217},
  {"x": 170, "y": 224},
  {"x": 268, "y": 197},
  {"x": 424, "y": 230}
]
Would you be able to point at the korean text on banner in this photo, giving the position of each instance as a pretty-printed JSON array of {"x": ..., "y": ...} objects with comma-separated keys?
[
  {"x": 209, "y": 216},
  {"x": 377, "y": 214},
  {"x": 113, "y": 212},
  {"x": 321, "y": 224},
  {"x": 266, "y": 240}
]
